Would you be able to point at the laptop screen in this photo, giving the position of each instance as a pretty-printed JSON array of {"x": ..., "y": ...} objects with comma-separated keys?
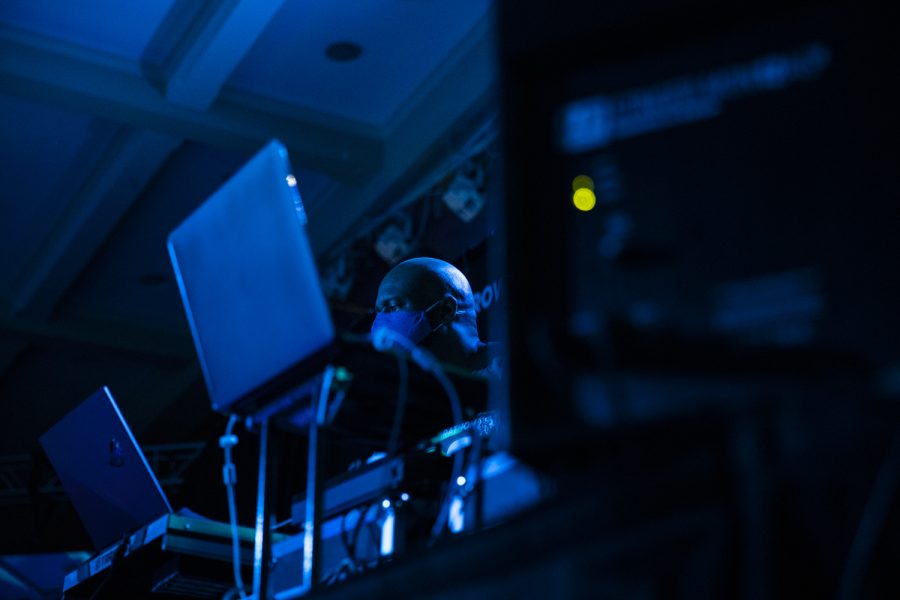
[
  {"x": 103, "y": 470},
  {"x": 248, "y": 281}
]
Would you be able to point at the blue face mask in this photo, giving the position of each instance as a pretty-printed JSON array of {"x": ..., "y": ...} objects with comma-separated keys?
[{"x": 411, "y": 324}]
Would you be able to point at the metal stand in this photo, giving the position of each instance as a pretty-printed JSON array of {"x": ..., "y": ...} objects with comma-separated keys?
[
  {"x": 262, "y": 551},
  {"x": 312, "y": 564},
  {"x": 262, "y": 555}
]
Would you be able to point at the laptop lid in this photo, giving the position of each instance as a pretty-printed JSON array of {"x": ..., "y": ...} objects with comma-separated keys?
[
  {"x": 103, "y": 470},
  {"x": 249, "y": 283}
]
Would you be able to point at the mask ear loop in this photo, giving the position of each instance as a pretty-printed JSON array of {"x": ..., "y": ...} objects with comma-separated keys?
[{"x": 447, "y": 322}]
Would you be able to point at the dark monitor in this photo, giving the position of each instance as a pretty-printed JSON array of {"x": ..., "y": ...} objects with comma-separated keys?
[
  {"x": 693, "y": 191},
  {"x": 250, "y": 287},
  {"x": 103, "y": 470}
]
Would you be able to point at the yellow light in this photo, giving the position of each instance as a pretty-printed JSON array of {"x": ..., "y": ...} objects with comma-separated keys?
[
  {"x": 584, "y": 199},
  {"x": 582, "y": 181}
]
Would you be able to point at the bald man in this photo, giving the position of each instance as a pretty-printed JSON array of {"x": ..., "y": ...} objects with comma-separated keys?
[{"x": 430, "y": 302}]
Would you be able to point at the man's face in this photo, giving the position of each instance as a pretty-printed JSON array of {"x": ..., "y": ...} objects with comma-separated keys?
[{"x": 407, "y": 289}]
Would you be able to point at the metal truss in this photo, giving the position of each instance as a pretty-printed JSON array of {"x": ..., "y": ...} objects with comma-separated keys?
[{"x": 21, "y": 478}]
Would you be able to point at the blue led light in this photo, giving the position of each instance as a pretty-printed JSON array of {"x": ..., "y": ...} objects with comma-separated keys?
[
  {"x": 458, "y": 444},
  {"x": 404, "y": 496},
  {"x": 456, "y": 520},
  {"x": 460, "y": 481},
  {"x": 386, "y": 503},
  {"x": 387, "y": 535}
]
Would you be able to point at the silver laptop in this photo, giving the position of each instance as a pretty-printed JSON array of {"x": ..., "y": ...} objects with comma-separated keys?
[{"x": 250, "y": 287}]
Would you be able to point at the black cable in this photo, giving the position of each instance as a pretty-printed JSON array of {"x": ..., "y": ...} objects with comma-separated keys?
[
  {"x": 364, "y": 511},
  {"x": 457, "y": 470},
  {"x": 385, "y": 340},
  {"x": 350, "y": 545},
  {"x": 349, "y": 548},
  {"x": 375, "y": 536},
  {"x": 400, "y": 408},
  {"x": 334, "y": 575},
  {"x": 444, "y": 513},
  {"x": 476, "y": 489}
]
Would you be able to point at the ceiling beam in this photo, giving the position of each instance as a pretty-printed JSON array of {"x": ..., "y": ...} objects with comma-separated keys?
[
  {"x": 94, "y": 207},
  {"x": 71, "y": 77},
  {"x": 212, "y": 47},
  {"x": 16, "y": 332}
]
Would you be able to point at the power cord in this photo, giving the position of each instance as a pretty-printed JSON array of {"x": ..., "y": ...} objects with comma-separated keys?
[
  {"x": 386, "y": 340},
  {"x": 229, "y": 478},
  {"x": 400, "y": 409}
]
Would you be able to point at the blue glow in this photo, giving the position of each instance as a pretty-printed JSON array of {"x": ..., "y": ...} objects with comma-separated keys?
[
  {"x": 387, "y": 535},
  {"x": 88, "y": 23},
  {"x": 28, "y": 572},
  {"x": 456, "y": 445},
  {"x": 457, "y": 518},
  {"x": 374, "y": 457},
  {"x": 460, "y": 481},
  {"x": 595, "y": 122},
  {"x": 404, "y": 496},
  {"x": 778, "y": 308},
  {"x": 6, "y": 577},
  {"x": 497, "y": 464},
  {"x": 385, "y": 503}
]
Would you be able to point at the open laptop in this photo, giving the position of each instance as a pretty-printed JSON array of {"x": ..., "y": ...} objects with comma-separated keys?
[
  {"x": 249, "y": 285},
  {"x": 103, "y": 470}
]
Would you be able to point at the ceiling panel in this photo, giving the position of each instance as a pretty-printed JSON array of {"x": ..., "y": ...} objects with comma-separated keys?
[
  {"x": 122, "y": 28},
  {"x": 402, "y": 42},
  {"x": 130, "y": 276},
  {"x": 45, "y": 154}
]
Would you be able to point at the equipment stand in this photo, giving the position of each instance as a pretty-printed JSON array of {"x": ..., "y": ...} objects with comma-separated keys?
[
  {"x": 317, "y": 390},
  {"x": 262, "y": 551}
]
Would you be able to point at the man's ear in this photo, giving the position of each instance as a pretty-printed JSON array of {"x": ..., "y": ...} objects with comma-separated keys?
[{"x": 442, "y": 312}]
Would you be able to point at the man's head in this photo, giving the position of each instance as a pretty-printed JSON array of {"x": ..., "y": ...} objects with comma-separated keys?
[{"x": 432, "y": 301}]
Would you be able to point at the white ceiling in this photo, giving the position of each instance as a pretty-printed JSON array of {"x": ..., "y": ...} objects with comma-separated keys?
[{"x": 402, "y": 42}]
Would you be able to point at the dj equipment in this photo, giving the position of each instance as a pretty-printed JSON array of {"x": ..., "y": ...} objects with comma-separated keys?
[
  {"x": 259, "y": 319},
  {"x": 379, "y": 480},
  {"x": 386, "y": 507},
  {"x": 699, "y": 192},
  {"x": 171, "y": 557}
]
